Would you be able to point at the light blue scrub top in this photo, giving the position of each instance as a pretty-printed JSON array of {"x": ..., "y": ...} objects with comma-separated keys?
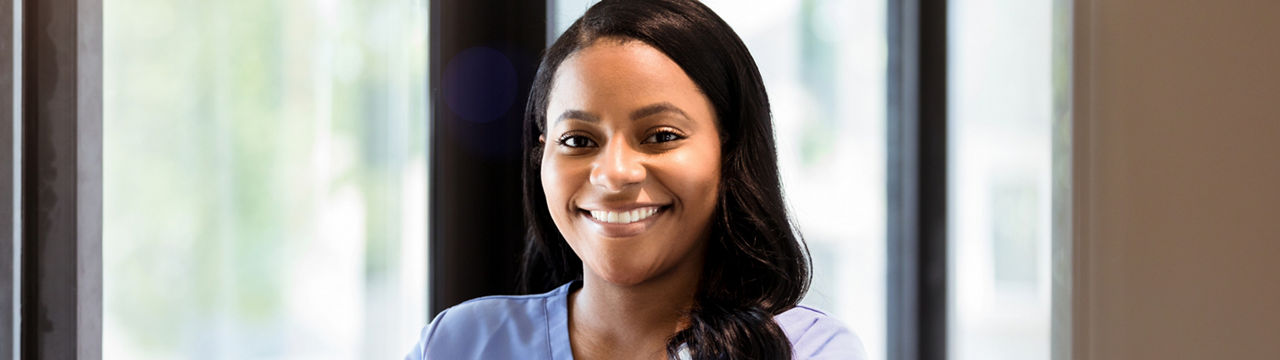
[{"x": 537, "y": 327}]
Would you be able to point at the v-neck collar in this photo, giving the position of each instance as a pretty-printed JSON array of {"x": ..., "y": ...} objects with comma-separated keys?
[{"x": 557, "y": 310}]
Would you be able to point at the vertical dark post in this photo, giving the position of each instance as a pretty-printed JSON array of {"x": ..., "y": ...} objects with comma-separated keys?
[
  {"x": 484, "y": 54},
  {"x": 917, "y": 184},
  {"x": 933, "y": 181},
  {"x": 62, "y": 180}
]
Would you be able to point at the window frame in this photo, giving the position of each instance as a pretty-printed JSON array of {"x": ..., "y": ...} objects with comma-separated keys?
[
  {"x": 917, "y": 180},
  {"x": 59, "y": 191}
]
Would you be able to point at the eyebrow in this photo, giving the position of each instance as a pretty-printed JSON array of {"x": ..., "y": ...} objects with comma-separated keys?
[
  {"x": 579, "y": 115},
  {"x": 646, "y": 111},
  {"x": 655, "y": 109}
]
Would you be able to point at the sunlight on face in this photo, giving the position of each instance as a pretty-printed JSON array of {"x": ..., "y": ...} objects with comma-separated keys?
[{"x": 631, "y": 165}]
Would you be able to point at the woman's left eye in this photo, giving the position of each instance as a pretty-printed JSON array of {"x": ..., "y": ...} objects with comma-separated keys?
[
  {"x": 576, "y": 141},
  {"x": 663, "y": 136}
]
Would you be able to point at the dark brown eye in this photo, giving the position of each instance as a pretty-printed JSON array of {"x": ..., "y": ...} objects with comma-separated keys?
[
  {"x": 663, "y": 136},
  {"x": 576, "y": 141}
]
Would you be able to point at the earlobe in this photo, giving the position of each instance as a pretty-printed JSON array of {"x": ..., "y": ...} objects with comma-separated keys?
[{"x": 542, "y": 139}]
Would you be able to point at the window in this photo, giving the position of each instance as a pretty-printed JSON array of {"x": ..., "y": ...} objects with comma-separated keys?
[
  {"x": 264, "y": 178},
  {"x": 265, "y": 171},
  {"x": 1001, "y": 99},
  {"x": 823, "y": 63}
]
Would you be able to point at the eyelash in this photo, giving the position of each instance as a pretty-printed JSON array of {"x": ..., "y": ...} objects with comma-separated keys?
[
  {"x": 673, "y": 134},
  {"x": 564, "y": 141}
]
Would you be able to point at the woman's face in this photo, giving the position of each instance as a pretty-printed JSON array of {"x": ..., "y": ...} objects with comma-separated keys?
[{"x": 631, "y": 164}]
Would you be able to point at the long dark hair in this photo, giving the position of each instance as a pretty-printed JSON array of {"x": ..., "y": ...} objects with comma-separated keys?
[{"x": 757, "y": 266}]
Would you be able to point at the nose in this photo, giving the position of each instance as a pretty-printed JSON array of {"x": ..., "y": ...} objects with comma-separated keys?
[{"x": 618, "y": 167}]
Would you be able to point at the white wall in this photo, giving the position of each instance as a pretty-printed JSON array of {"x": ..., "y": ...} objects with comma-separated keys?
[{"x": 1177, "y": 179}]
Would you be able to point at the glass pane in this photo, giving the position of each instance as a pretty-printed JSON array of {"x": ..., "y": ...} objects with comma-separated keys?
[
  {"x": 823, "y": 62},
  {"x": 265, "y": 172},
  {"x": 1001, "y": 97}
]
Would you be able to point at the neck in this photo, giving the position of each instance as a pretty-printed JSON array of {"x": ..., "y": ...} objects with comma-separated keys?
[{"x": 632, "y": 319}]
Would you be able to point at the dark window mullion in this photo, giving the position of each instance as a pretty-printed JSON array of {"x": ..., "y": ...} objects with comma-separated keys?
[
  {"x": 476, "y": 225},
  {"x": 61, "y": 270},
  {"x": 917, "y": 181}
]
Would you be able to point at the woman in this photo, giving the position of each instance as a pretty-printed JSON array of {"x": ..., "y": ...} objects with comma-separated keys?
[{"x": 657, "y": 220}]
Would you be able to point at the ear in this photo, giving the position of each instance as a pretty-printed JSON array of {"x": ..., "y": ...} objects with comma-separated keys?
[{"x": 542, "y": 139}]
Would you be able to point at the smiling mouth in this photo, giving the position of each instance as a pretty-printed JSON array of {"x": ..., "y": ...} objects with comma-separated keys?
[{"x": 624, "y": 217}]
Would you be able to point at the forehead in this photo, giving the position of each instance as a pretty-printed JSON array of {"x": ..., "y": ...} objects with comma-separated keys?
[{"x": 613, "y": 76}]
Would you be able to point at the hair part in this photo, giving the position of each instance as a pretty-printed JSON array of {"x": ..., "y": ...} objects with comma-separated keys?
[{"x": 756, "y": 263}]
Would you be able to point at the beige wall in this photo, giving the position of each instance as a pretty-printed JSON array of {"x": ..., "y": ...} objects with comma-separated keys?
[{"x": 1176, "y": 179}]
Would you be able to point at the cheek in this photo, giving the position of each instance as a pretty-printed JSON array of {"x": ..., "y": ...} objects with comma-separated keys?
[
  {"x": 695, "y": 177},
  {"x": 708, "y": 186},
  {"x": 560, "y": 180},
  {"x": 553, "y": 186}
]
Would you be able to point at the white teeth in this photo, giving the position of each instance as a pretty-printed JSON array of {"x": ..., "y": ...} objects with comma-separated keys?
[{"x": 624, "y": 217}]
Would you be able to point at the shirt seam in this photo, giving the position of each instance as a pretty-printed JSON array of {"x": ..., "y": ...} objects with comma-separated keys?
[
  {"x": 510, "y": 297},
  {"x": 432, "y": 332},
  {"x": 820, "y": 312},
  {"x": 546, "y": 314}
]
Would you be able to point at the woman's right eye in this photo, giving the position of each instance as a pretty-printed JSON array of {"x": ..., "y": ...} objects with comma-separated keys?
[{"x": 576, "y": 141}]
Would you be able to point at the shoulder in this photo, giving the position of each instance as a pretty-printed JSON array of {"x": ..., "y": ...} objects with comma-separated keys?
[
  {"x": 495, "y": 311},
  {"x": 489, "y": 327},
  {"x": 816, "y": 335}
]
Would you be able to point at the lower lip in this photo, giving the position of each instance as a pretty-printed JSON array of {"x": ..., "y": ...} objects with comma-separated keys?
[{"x": 623, "y": 230}]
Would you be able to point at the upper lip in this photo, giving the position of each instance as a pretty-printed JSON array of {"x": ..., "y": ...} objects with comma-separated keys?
[{"x": 618, "y": 207}]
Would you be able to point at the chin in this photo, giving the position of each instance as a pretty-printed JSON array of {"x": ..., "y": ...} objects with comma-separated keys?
[{"x": 623, "y": 275}]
